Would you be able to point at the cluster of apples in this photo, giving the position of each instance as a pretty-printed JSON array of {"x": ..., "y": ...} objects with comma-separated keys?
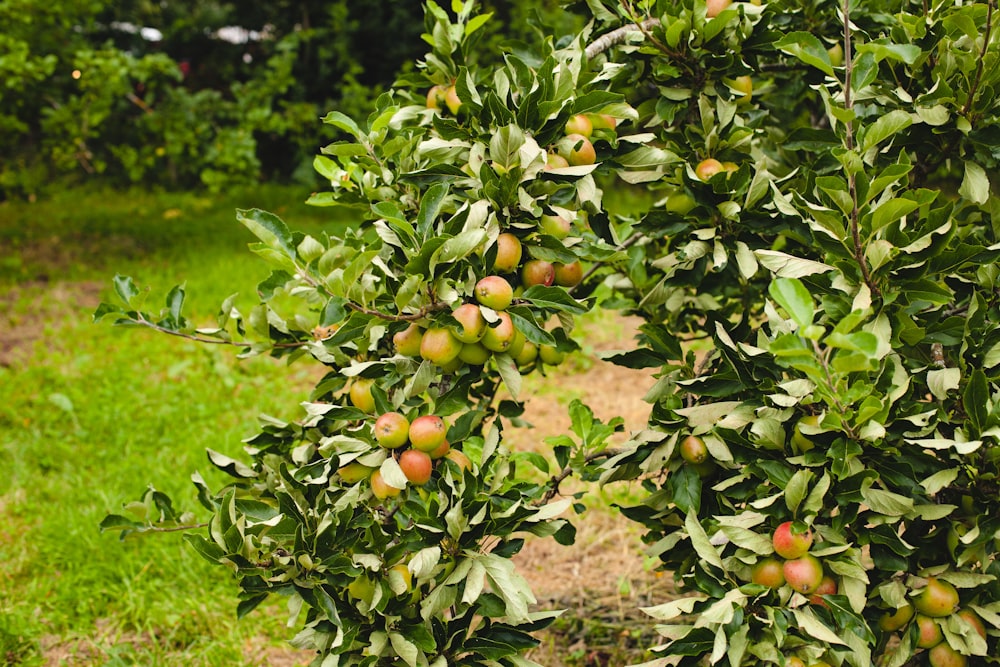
[
  {"x": 575, "y": 148},
  {"x": 930, "y": 607},
  {"x": 795, "y": 565}
]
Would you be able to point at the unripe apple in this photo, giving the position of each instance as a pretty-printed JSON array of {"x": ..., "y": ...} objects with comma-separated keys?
[
  {"x": 439, "y": 346},
  {"x": 602, "y": 121},
  {"x": 555, "y": 161},
  {"x": 528, "y": 353},
  {"x": 380, "y": 489},
  {"x": 680, "y": 203},
  {"x": 427, "y": 432},
  {"x": 693, "y": 449},
  {"x": 894, "y": 620},
  {"x": 537, "y": 272},
  {"x": 407, "y": 341},
  {"x": 550, "y": 355},
  {"x": 442, "y": 449},
  {"x": 435, "y": 97},
  {"x": 579, "y": 124},
  {"x": 416, "y": 465},
  {"x": 354, "y": 472},
  {"x": 361, "y": 394},
  {"x": 568, "y": 275},
  {"x": 970, "y": 617},
  {"x": 517, "y": 344},
  {"x": 768, "y": 572},
  {"x": 742, "y": 84},
  {"x": 708, "y": 168},
  {"x": 499, "y": 338},
  {"x": 494, "y": 292},
  {"x": 391, "y": 430},
  {"x": 828, "y": 586},
  {"x": 938, "y": 598},
  {"x": 577, "y": 150},
  {"x": 928, "y": 631},
  {"x": 794, "y": 661},
  {"x": 730, "y": 167},
  {"x": 804, "y": 574},
  {"x": 836, "y": 53},
  {"x": 555, "y": 226},
  {"x": 943, "y": 655},
  {"x": 471, "y": 323},
  {"x": 474, "y": 354},
  {"x": 451, "y": 100},
  {"x": 459, "y": 458},
  {"x": 789, "y": 544},
  {"x": 508, "y": 253},
  {"x": 714, "y": 7}
]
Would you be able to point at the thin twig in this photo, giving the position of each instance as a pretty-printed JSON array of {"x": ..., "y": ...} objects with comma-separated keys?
[
  {"x": 567, "y": 471},
  {"x": 409, "y": 317},
  {"x": 982, "y": 58},
  {"x": 624, "y": 245},
  {"x": 175, "y": 529}
]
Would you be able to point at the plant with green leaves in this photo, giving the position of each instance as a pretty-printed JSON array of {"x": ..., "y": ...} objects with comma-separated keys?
[{"x": 817, "y": 278}]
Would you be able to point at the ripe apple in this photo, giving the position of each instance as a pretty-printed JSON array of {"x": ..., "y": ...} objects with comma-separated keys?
[
  {"x": 494, "y": 292},
  {"x": 828, "y": 586},
  {"x": 708, "y": 168},
  {"x": 528, "y": 353},
  {"x": 568, "y": 275},
  {"x": 380, "y": 488},
  {"x": 577, "y": 150},
  {"x": 459, "y": 458},
  {"x": 499, "y": 338},
  {"x": 427, "y": 432},
  {"x": 938, "y": 598},
  {"x": 474, "y": 354},
  {"x": 742, "y": 84},
  {"x": 928, "y": 631},
  {"x": 354, "y": 472},
  {"x": 602, "y": 121},
  {"x": 943, "y": 655},
  {"x": 972, "y": 619},
  {"x": 537, "y": 272},
  {"x": 451, "y": 100},
  {"x": 508, "y": 253},
  {"x": 550, "y": 355},
  {"x": 435, "y": 97},
  {"x": 679, "y": 202},
  {"x": 714, "y": 7},
  {"x": 440, "y": 451},
  {"x": 471, "y": 323},
  {"x": 693, "y": 449},
  {"x": 579, "y": 124},
  {"x": 439, "y": 346},
  {"x": 361, "y": 394},
  {"x": 391, "y": 430},
  {"x": 416, "y": 465},
  {"x": 768, "y": 572},
  {"x": 555, "y": 225},
  {"x": 804, "y": 574},
  {"x": 555, "y": 161},
  {"x": 407, "y": 341},
  {"x": 894, "y": 620},
  {"x": 789, "y": 544}
]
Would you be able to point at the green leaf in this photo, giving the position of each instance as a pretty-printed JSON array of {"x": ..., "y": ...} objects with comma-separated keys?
[
  {"x": 699, "y": 540},
  {"x": 509, "y": 374},
  {"x": 792, "y": 295},
  {"x": 343, "y": 122},
  {"x": 125, "y": 289},
  {"x": 505, "y": 147},
  {"x": 807, "y": 48},
  {"x": 886, "y": 126},
  {"x": 269, "y": 228},
  {"x": 976, "y": 184},
  {"x": 907, "y": 53},
  {"x": 457, "y": 248},
  {"x": 891, "y": 211},
  {"x": 554, "y": 298},
  {"x": 430, "y": 208},
  {"x": 976, "y": 399},
  {"x": 230, "y": 466}
]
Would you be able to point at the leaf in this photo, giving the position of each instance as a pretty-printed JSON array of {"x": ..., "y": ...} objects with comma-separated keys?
[
  {"x": 505, "y": 147},
  {"x": 886, "y": 126},
  {"x": 230, "y": 466},
  {"x": 699, "y": 539},
  {"x": 509, "y": 374},
  {"x": 339, "y": 120},
  {"x": 807, "y": 48},
  {"x": 430, "y": 208},
  {"x": 976, "y": 184},
  {"x": 458, "y": 247},
  {"x": 125, "y": 288},
  {"x": 976, "y": 399},
  {"x": 942, "y": 380},
  {"x": 891, "y": 211},
  {"x": 789, "y": 266},
  {"x": 813, "y": 627},
  {"x": 793, "y": 296},
  {"x": 554, "y": 298},
  {"x": 405, "y": 649}
]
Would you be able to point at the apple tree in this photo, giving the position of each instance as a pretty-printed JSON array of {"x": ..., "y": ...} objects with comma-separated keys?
[{"x": 817, "y": 279}]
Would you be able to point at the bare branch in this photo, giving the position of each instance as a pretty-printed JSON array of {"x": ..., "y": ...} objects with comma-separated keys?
[{"x": 617, "y": 36}]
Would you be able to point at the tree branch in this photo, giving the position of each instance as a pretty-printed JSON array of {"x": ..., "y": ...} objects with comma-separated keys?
[
  {"x": 617, "y": 36},
  {"x": 567, "y": 471},
  {"x": 982, "y": 58}
]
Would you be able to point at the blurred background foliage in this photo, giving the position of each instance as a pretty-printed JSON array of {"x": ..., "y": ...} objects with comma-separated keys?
[{"x": 194, "y": 93}]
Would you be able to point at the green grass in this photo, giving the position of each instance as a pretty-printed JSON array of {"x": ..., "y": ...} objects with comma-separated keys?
[{"x": 91, "y": 414}]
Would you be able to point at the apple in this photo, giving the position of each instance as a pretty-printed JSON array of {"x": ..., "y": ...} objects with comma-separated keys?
[
  {"x": 494, "y": 292},
  {"x": 517, "y": 344},
  {"x": 891, "y": 621},
  {"x": 579, "y": 124},
  {"x": 836, "y": 53},
  {"x": 714, "y": 7},
  {"x": 970, "y": 617},
  {"x": 577, "y": 150},
  {"x": 537, "y": 272},
  {"x": 602, "y": 121},
  {"x": 439, "y": 346},
  {"x": 427, "y": 432},
  {"x": 550, "y": 355},
  {"x": 804, "y": 574},
  {"x": 499, "y": 338},
  {"x": 407, "y": 341},
  {"x": 742, "y": 84},
  {"x": 555, "y": 226},
  {"x": 568, "y": 275},
  {"x": 928, "y": 631},
  {"x": 391, "y": 430},
  {"x": 730, "y": 167},
  {"x": 471, "y": 323},
  {"x": 451, "y": 100},
  {"x": 459, "y": 458},
  {"x": 435, "y": 97},
  {"x": 416, "y": 465},
  {"x": 354, "y": 472},
  {"x": 474, "y": 354},
  {"x": 768, "y": 572},
  {"x": 708, "y": 168},
  {"x": 679, "y": 202},
  {"x": 508, "y": 253},
  {"x": 361, "y": 394},
  {"x": 789, "y": 544},
  {"x": 943, "y": 655},
  {"x": 380, "y": 488},
  {"x": 440, "y": 451},
  {"x": 827, "y": 586},
  {"x": 794, "y": 661},
  {"x": 938, "y": 598},
  {"x": 555, "y": 161},
  {"x": 693, "y": 449},
  {"x": 527, "y": 354}
]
